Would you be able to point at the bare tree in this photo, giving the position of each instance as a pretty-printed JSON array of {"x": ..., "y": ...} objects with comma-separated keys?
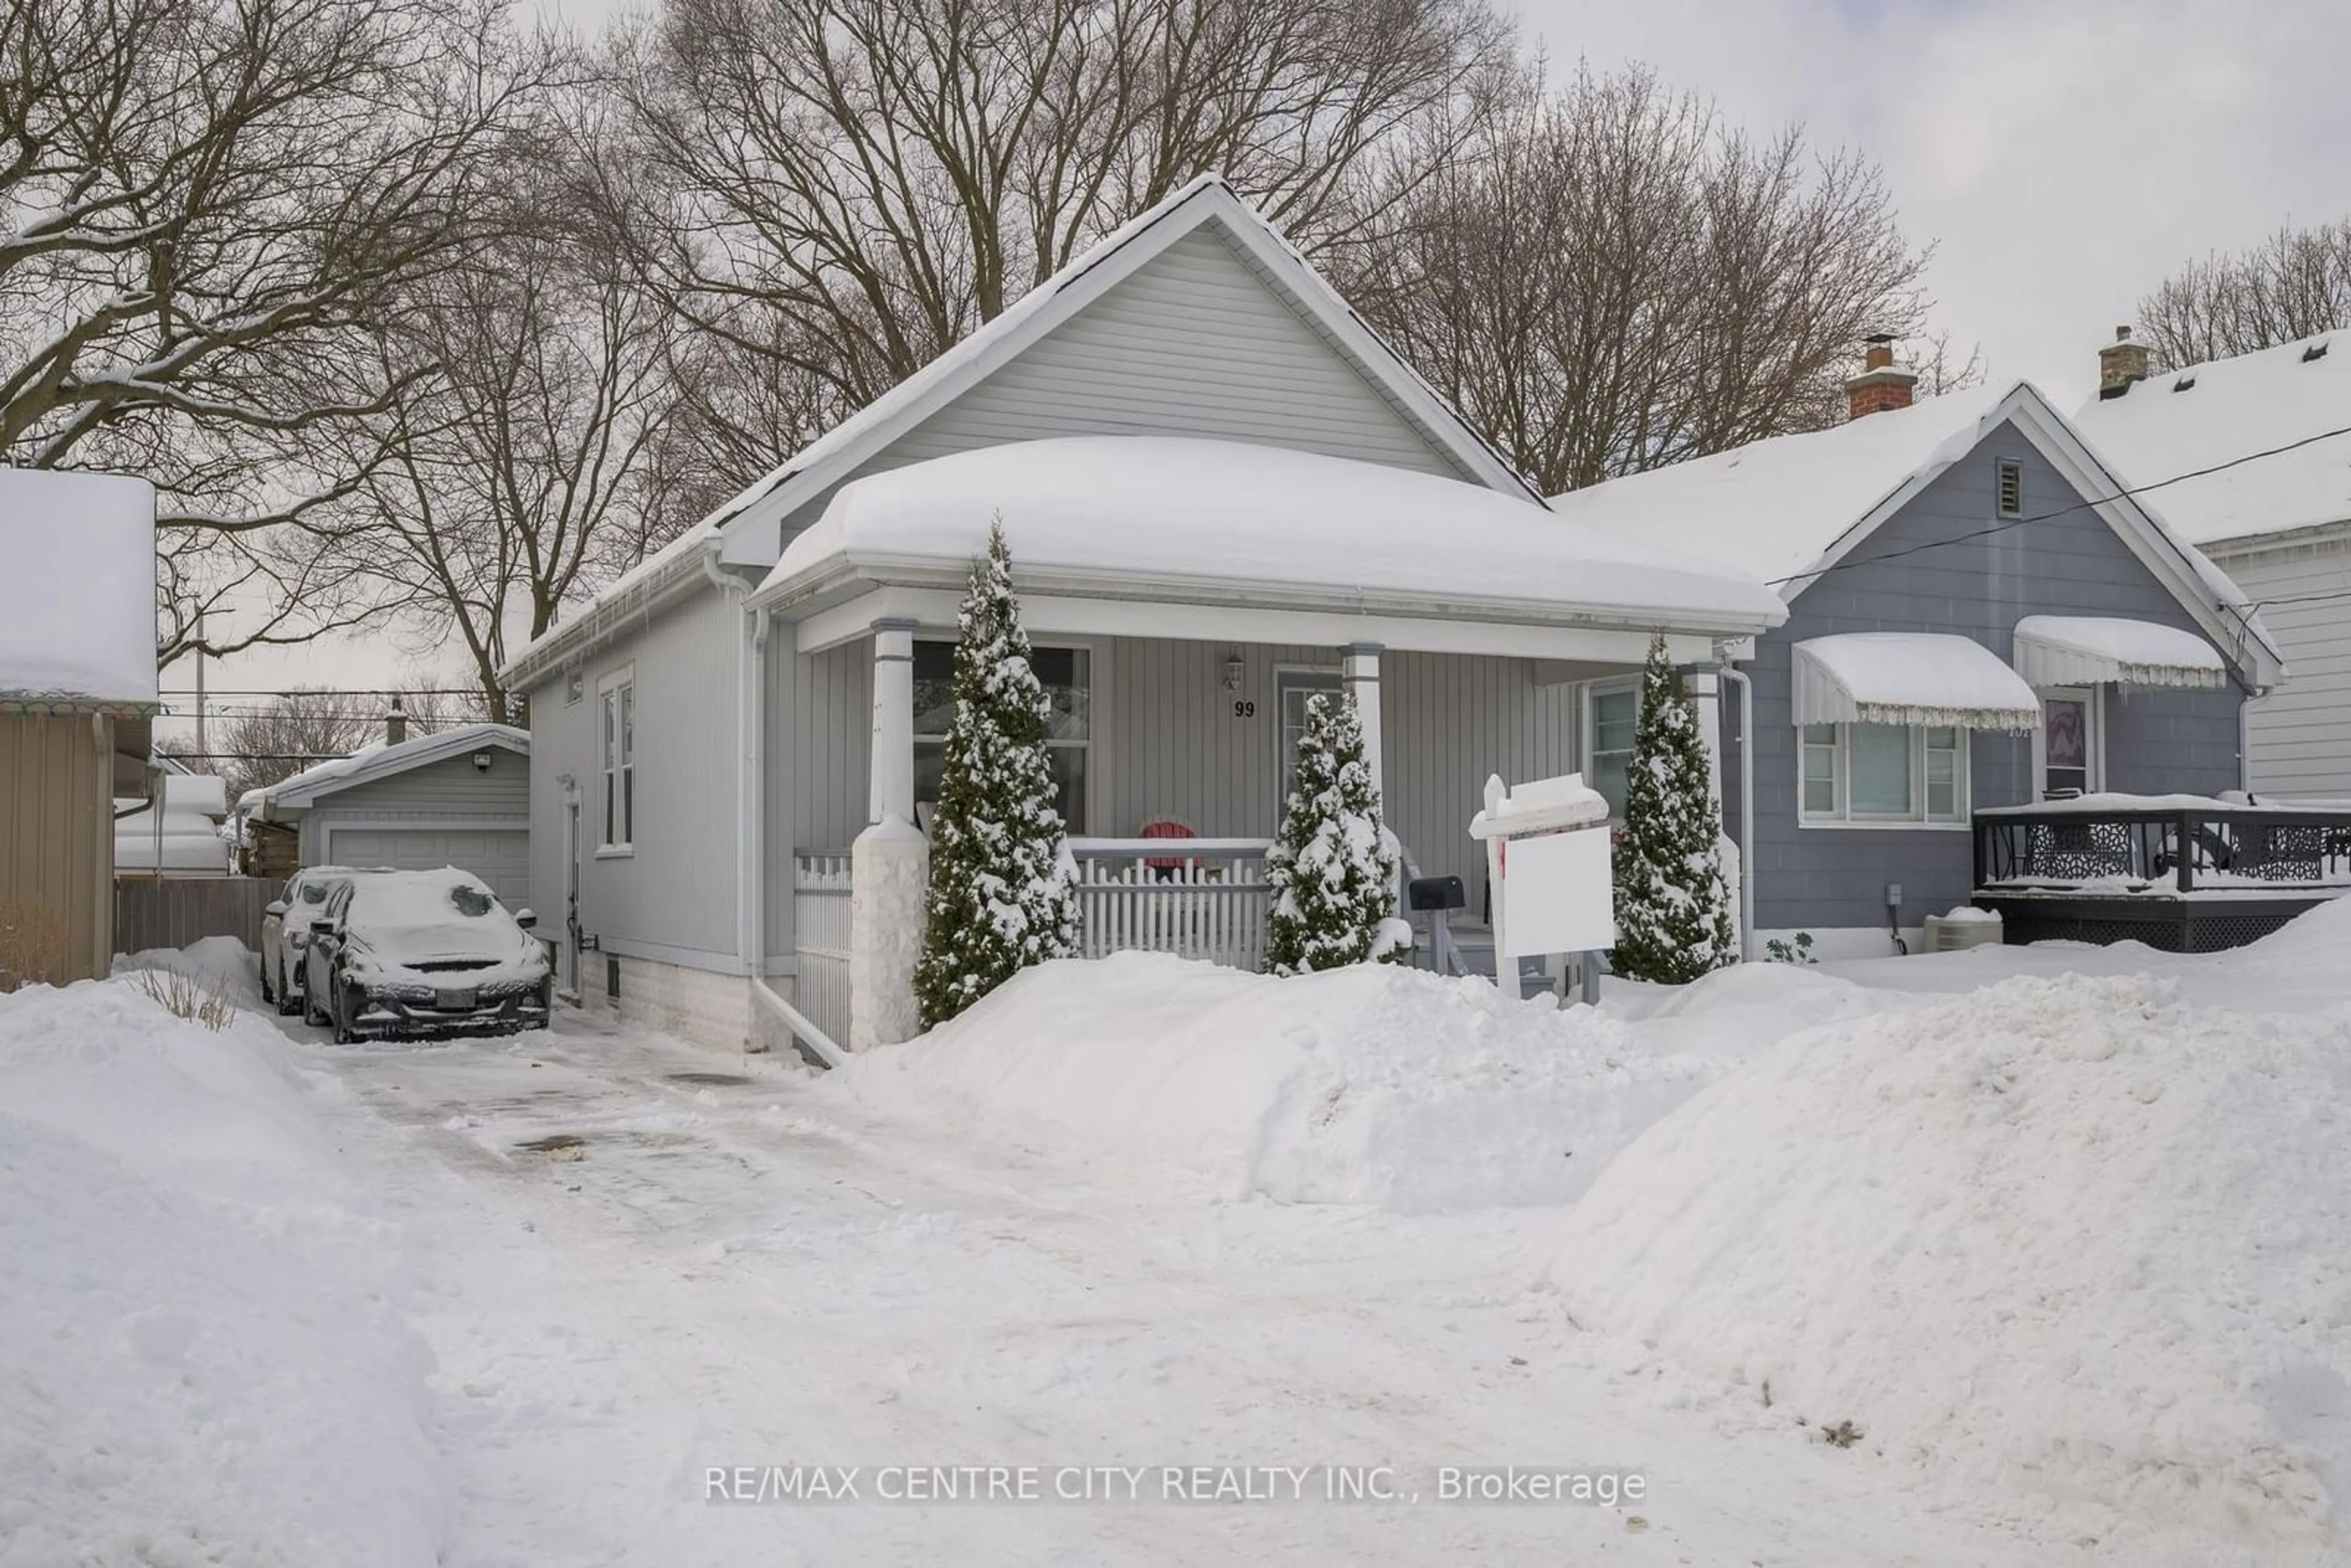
[
  {"x": 208, "y": 211},
  {"x": 2294, "y": 284},
  {"x": 522, "y": 464},
  {"x": 1606, "y": 278},
  {"x": 276, "y": 737},
  {"x": 850, "y": 186}
]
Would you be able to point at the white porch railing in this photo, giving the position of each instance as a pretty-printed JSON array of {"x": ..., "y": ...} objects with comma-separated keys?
[
  {"x": 1197, "y": 898},
  {"x": 820, "y": 924}
]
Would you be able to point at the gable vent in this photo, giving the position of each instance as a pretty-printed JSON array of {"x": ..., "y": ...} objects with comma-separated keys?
[
  {"x": 2316, "y": 351},
  {"x": 2183, "y": 383},
  {"x": 2012, "y": 488}
]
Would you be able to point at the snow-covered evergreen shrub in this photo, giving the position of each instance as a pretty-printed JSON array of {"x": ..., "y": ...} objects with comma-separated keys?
[
  {"x": 1673, "y": 920},
  {"x": 1003, "y": 888},
  {"x": 1332, "y": 870}
]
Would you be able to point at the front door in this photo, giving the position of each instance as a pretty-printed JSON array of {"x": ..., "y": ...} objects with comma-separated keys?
[
  {"x": 1291, "y": 688},
  {"x": 2070, "y": 747}
]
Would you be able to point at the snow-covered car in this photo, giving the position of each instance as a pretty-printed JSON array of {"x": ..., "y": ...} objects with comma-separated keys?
[
  {"x": 424, "y": 952},
  {"x": 286, "y": 931}
]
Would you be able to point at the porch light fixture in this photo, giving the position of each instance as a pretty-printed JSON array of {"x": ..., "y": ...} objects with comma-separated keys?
[
  {"x": 1233, "y": 671},
  {"x": 482, "y": 760}
]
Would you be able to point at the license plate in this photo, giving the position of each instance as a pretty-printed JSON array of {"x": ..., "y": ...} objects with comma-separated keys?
[{"x": 452, "y": 1002}]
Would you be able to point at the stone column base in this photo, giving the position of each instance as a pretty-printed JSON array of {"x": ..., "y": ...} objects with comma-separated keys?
[{"x": 889, "y": 878}]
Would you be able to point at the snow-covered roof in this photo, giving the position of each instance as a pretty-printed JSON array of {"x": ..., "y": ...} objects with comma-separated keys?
[
  {"x": 834, "y": 456},
  {"x": 2186, "y": 420},
  {"x": 378, "y": 761},
  {"x": 1909, "y": 678},
  {"x": 2090, "y": 650},
  {"x": 189, "y": 838},
  {"x": 1219, "y": 520},
  {"x": 1794, "y": 509},
  {"x": 1773, "y": 507},
  {"x": 77, "y": 589}
]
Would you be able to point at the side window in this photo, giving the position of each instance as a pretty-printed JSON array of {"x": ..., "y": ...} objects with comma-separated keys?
[{"x": 617, "y": 759}]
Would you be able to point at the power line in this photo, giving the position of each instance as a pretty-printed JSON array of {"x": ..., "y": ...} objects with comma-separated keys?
[{"x": 2081, "y": 506}]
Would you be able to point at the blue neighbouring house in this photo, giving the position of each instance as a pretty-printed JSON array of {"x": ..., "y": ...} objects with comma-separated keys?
[{"x": 2003, "y": 683}]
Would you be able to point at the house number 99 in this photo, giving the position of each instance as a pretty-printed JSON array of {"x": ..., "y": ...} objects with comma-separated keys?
[{"x": 1244, "y": 708}]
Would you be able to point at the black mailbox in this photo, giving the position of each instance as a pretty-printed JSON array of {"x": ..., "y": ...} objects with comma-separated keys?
[{"x": 1435, "y": 893}]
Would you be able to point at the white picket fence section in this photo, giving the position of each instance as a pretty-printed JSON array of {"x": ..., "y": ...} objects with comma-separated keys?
[
  {"x": 820, "y": 920},
  {"x": 1205, "y": 898}
]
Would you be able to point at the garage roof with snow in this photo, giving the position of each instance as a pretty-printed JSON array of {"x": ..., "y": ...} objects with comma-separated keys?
[{"x": 371, "y": 763}]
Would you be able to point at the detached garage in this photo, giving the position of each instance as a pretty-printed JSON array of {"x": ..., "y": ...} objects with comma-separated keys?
[{"x": 459, "y": 797}]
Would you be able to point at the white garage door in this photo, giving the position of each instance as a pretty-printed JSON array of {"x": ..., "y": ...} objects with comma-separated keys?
[{"x": 499, "y": 856}]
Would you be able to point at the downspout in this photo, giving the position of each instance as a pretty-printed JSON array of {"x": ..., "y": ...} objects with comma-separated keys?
[
  {"x": 1746, "y": 805},
  {"x": 751, "y": 818}
]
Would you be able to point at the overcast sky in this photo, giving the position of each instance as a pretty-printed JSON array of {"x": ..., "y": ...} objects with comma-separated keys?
[{"x": 2061, "y": 155}]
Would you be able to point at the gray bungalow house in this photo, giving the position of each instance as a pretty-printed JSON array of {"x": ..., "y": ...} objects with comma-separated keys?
[
  {"x": 1223, "y": 494},
  {"x": 1982, "y": 619}
]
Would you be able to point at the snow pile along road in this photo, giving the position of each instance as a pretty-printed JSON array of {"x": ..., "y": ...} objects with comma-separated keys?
[
  {"x": 1375, "y": 1085},
  {"x": 2070, "y": 1250},
  {"x": 201, "y": 1358}
]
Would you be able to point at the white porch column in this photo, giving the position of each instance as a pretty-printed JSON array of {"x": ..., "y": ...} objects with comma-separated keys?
[
  {"x": 1705, "y": 695},
  {"x": 1361, "y": 675},
  {"x": 890, "y": 862}
]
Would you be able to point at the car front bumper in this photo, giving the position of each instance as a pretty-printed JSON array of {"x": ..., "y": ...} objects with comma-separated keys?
[{"x": 384, "y": 1008}]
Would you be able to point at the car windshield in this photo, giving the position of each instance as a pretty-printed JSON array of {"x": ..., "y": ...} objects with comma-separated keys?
[
  {"x": 316, "y": 892},
  {"x": 418, "y": 899}
]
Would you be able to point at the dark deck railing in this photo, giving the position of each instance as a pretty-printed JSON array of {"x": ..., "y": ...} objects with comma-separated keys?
[{"x": 2162, "y": 848}]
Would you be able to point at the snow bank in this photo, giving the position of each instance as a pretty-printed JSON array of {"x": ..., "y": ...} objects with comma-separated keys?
[
  {"x": 201, "y": 1358},
  {"x": 2071, "y": 1250},
  {"x": 1373, "y": 1084}
]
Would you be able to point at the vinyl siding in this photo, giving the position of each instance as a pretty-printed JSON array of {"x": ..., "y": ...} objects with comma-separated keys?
[
  {"x": 2157, "y": 741},
  {"x": 676, "y": 892},
  {"x": 1166, "y": 742},
  {"x": 2300, "y": 736}
]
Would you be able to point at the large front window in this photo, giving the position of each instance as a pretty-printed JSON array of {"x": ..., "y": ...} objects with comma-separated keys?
[
  {"x": 1066, "y": 675},
  {"x": 1615, "y": 715},
  {"x": 1884, "y": 774}
]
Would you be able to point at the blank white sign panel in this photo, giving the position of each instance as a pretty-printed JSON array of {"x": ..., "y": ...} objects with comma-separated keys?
[{"x": 1558, "y": 896}]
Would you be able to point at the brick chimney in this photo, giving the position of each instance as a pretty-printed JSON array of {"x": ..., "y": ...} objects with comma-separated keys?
[
  {"x": 2120, "y": 364},
  {"x": 1880, "y": 386},
  {"x": 395, "y": 723}
]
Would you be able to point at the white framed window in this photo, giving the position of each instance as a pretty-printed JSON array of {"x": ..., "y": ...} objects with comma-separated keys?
[
  {"x": 1882, "y": 774},
  {"x": 1292, "y": 685},
  {"x": 616, "y": 719},
  {"x": 1611, "y": 711},
  {"x": 1065, "y": 672}
]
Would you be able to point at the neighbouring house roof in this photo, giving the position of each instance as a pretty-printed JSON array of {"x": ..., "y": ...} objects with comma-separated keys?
[
  {"x": 76, "y": 591},
  {"x": 2206, "y": 415},
  {"x": 1909, "y": 678},
  {"x": 2088, "y": 649},
  {"x": 833, "y": 457},
  {"x": 371, "y": 763},
  {"x": 1225, "y": 522},
  {"x": 1795, "y": 507},
  {"x": 189, "y": 839}
]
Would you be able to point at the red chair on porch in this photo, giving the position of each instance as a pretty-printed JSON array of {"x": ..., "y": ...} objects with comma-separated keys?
[{"x": 1165, "y": 868}]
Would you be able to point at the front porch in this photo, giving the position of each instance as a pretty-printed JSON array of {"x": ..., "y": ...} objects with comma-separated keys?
[
  {"x": 2181, "y": 873},
  {"x": 1172, "y": 762}
]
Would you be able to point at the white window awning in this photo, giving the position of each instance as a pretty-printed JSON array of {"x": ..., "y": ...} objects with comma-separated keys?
[
  {"x": 2088, "y": 649},
  {"x": 1909, "y": 678}
]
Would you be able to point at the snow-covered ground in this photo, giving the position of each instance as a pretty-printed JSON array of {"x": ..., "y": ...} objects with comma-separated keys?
[{"x": 2068, "y": 1253}]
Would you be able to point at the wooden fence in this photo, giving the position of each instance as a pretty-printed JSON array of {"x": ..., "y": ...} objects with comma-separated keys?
[{"x": 173, "y": 911}]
